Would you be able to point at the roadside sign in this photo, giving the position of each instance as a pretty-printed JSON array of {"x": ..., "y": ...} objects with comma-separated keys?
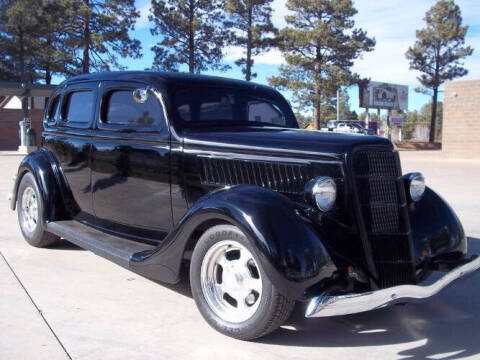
[
  {"x": 378, "y": 95},
  {"x": 396, "y": 120}
]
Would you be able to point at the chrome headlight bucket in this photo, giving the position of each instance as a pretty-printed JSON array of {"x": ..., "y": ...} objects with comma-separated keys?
[
  {"x": 415, "y": 185},
  {"x": 321, "y": 192}
]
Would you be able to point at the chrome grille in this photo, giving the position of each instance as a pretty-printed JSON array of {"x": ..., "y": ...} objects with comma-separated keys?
[
  {"x": 281, "y": 177},
  {"x": 376, "y": 175},
  {"x": 378, "y": 190}
]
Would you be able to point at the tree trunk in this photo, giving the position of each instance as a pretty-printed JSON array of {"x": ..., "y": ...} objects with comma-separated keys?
[
  {"x": 433, "y": 117},
  {"x": 317, "y": 104},
  {"x": 48, "y": 76},
  {"x": 22, "y": 58},
  {"x": 248, "y": 67},
  {"x": 22, "y": 78},
  {"x": 317, "y": 115},
  {"x": 191, "y": 35},
  {"x": 48, "y": 73},
  {"x": 86, "y": 42}
]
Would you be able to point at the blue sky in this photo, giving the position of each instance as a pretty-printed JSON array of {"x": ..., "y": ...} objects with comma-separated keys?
[{"x": 391, "y": 22}]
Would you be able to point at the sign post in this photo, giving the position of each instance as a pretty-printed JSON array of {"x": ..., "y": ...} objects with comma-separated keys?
[{"x": 378, "y": 95}]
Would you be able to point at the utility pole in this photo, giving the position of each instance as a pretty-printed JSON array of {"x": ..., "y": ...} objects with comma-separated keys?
[{"x": 338, "y": 104}]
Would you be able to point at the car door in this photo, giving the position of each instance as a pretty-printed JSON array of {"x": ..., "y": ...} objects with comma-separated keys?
[
  {"x": 67, "y": 134},
  {"x": 131, "y": 163}
]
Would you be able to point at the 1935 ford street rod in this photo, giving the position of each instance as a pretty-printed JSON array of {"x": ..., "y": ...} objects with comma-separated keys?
[{"x": 156, "y": 170}]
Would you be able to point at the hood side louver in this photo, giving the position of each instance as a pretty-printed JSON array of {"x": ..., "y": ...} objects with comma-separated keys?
[{"x": 281, "y": 177}]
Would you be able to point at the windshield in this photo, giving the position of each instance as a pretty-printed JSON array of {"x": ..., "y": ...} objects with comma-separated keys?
[{"x": 202, "y": 106}]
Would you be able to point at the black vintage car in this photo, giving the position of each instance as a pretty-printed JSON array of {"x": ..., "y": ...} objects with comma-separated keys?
[{"x": 157, "y": 171}]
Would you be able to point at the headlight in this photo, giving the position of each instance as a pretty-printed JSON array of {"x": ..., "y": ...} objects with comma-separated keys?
[
  {"x": 322, "y": 192},
  {"x": 416, "y": 186}
]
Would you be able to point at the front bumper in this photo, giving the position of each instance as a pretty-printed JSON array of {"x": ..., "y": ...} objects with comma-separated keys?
[{"x": 332, "y": 305}]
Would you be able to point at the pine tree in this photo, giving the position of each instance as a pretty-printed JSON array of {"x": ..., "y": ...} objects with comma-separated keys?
[
  {"x": 19, "y": 22},
  {"x": 372, "y": 116},
  {"x": 43, "y": 38},
  {"x": 7, "y": 68},
  {"x": 99, "y": 30},
  {"x": 438, "y": 51},
  {"x": 344, "y": 109},
  {"x": 253, "y": 30},
  {"x": 55, "y": 54},
  {"x": 320, "y": 44},
  {"x": 193, "y": 34}
]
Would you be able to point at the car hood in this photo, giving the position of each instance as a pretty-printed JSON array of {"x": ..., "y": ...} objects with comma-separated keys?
[{"x": 271, "y": 139}]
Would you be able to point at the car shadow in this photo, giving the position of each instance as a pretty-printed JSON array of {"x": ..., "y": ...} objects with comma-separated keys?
[
  {"x": 448, "y": 325},
  {"x": 64, "y": 245},
  {"x": 182, "y": 287}
]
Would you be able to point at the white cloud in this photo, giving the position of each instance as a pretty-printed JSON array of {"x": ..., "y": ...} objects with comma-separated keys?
[
  {"x": 142, "y": 21},
  {"x": 279, "y": 11},
  {"x": 393, "y": 27},
  {"x": 393, "y": 24},
  {"x": 272, "y": 57}
]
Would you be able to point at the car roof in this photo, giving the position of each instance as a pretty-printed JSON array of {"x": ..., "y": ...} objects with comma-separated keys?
[{"x": 170, "y": 79}]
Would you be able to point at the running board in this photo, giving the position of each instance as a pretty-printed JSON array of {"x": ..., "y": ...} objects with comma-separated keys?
[{"x": 111, "y": 247}]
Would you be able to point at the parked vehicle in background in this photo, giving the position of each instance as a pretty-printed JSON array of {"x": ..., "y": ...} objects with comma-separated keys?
[
  {"x": 349, "y": 126},
  {"x": 155, "y": 171}
]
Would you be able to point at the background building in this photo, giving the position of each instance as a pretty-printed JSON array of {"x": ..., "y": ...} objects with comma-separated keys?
[
  {"x": 461, "y": 119},
  {"x": 11, "y": 111}
]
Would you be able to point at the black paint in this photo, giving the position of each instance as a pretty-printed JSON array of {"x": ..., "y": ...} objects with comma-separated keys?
[{"x": 151, "y": 185}]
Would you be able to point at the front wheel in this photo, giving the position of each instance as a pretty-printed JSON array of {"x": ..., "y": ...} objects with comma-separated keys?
[{"x": 230, "y": 288}]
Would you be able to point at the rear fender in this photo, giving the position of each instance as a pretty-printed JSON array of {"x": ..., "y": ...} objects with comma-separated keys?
[
  {"x": 42, "y": 165},
  {"x": 290, "y": 250}
]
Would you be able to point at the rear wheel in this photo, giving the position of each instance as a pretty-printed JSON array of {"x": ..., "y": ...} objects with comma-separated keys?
[
  {"x": 230, "y": 288},
  {"x": 30, "y": 213}
]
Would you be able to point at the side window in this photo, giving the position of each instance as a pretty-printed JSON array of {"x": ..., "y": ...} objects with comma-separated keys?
[
  {"x": 265, "y": 112},
  {"x": 79, "y": 107},
  {"x": 53, "y": 109},
  {"x": 185, "y": 112},
  {"x": 218, "y": 110},
  {"x": 122, "y": 110}
]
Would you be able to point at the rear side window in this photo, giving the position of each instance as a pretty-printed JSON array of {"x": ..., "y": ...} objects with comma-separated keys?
[
  {"x": 204, "y": 106},
  {"x": 79, "y": 107},
  {"x": 52, "y": 110},
  {"x": 265, "y": 112},
  {"x": 121, "y": 109}
]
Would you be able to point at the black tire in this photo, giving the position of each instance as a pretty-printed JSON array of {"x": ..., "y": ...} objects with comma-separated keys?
[
  {"x": 37, "y": 236},
  {"x": 274, "y": 308}
]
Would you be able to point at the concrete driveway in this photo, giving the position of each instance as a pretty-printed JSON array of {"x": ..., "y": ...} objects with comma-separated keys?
[{"x": 68, "y": 303}]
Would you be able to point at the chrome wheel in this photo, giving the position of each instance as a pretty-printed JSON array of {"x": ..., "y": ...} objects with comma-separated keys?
[
  {"x": 29, "y": 209},
  {"x": 231, "y": 281}
]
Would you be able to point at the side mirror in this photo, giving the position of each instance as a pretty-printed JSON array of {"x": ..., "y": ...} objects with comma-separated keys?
[{"x": 140, "y": 95}]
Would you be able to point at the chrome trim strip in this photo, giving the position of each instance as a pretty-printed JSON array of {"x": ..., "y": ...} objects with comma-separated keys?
[
  {"x": 325, "y": 305},
  {"x": 242, "y": 156},
  {"x": 259, "y": 148}
]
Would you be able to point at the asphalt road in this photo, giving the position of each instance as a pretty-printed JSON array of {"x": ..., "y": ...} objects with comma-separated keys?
[{"x": 65, "y": 302}]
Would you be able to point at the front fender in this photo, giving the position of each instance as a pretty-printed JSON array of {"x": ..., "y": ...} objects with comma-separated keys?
[
  {"x": 42, "y": 166},
  {"x": 436, "y": 229},
  {"x": 290, "y": 250}
]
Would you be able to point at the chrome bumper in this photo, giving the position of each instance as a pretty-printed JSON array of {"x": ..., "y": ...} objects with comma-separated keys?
[{"x": 327, "y": 305}]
